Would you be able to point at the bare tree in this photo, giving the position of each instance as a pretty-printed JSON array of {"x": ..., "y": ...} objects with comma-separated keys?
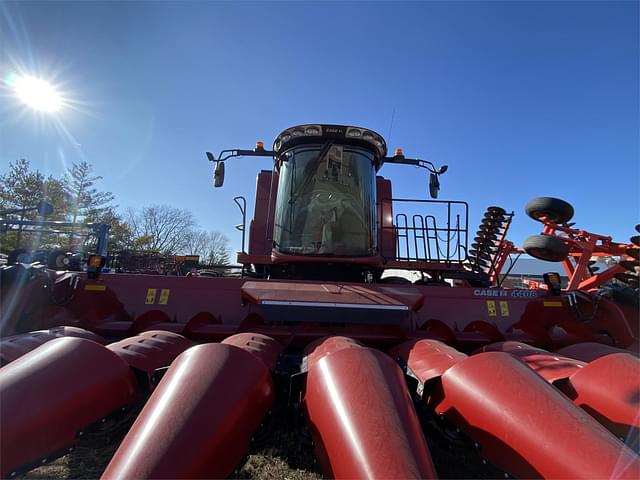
[
  {"x": 218, "y": 251},
  {"x": 197, "y": 242},
  {"x": 212, "y": 247},
  {"x": 160, "y": 228}
]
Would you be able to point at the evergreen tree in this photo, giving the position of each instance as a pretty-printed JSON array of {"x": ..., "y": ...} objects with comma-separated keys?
[
  {"x": 22, "y": 188},
  {"x": 84, "y": 198}
]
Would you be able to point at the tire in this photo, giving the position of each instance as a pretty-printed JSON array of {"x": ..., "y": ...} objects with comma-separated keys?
[
  {"x": 395, "y": 280},
  {"x": 556, "y": 210},
  {"x": 209, "y": 273},
  {"x": 628, "y": 278},
  {"x": 626, "y": 295},
  {"x": 546, "y": 247},
  {"x": 56, "y": 260},
  {"x": 17, "y": 256},
  {"x": 39, "y": 256},
  {"x": 432, "y": 283}
]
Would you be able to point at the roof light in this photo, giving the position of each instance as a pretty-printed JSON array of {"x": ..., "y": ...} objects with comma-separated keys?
[
  {"x": 399, "y": 152},
  {"x": 297, "y": 133},
  {"x": 259, "y": 145}
]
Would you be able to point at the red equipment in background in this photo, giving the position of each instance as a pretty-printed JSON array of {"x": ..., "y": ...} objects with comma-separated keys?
[
  {"x": 560, "y": 242},
  {"x": 327, "y": 323}
]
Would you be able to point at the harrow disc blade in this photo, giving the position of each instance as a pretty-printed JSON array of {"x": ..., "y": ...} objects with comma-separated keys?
[
  {"x": 489, "y": 227},
  {"x": 484, "y": 262},
  {"x": 480, "y": 247},
  {"x": 484, "y": 236},
  {"x": 483, "y": 245},
  {"x": 638, "y": 228},
  {"x": 635, "y": 240},
  {"x": 480, "y": 254},
  {"x": 496, "y": 210},
  {"x": 493, "y": 219}
]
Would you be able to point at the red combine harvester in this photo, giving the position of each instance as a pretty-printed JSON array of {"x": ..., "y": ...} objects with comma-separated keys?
[{"x": 387, "y": 373}]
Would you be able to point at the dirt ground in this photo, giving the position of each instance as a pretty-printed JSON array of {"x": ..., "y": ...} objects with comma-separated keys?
[
  {"x": 89, "y": 463},
  {"x": 280, "y": 451},
  {"x": 276, "y": 454}
]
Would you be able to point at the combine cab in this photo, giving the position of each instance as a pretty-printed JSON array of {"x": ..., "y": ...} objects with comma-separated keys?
[{"x": 388, "y": 374}]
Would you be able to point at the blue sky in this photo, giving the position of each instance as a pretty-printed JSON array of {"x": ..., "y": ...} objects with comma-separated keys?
[{"x": 519, "y": 99}]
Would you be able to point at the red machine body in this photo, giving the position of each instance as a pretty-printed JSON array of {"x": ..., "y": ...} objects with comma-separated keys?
[{"x": 325, "y": 313}]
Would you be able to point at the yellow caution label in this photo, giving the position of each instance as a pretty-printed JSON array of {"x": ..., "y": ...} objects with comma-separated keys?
[
  {"x": 92, "y": 287},
  {"x": 504, "y": 308},
  {"x": 151, "y": 296},
  {"x": 491, "y": 308},
  {"x": 552, "y": 304},
  {"x": 164, "y": 296}
]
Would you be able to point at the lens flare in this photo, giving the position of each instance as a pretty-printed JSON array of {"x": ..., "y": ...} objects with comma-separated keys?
[{"x": 37, "y": 93}]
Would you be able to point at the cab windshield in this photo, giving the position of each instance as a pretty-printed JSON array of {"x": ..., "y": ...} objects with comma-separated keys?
[{"x": 326, "y": 201}]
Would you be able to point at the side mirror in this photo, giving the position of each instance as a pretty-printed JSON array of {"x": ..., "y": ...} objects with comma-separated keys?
[
  {"x": 218, "y": 175},
  {"x": 44, "y": 208},
  {"x": 443, "y": 169},
  {"x": 210, "y": 157},
  {"x": 434, "y": 185}
]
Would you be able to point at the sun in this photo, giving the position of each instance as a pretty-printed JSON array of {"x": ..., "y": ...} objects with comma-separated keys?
[{"x": 37, "y": 93}]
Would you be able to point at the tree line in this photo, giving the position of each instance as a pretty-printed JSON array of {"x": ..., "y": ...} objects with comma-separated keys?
[{"x": 75, "y": 197}]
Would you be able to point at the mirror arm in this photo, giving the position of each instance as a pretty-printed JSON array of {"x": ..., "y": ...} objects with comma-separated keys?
[
  {"x": 218, "y": 173},
  {"x": 226, "y": 154},
  {"x": 429, "y": 166},
  {"x": 412, "y": 161}
]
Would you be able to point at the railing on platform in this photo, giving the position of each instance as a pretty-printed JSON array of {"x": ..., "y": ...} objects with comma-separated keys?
[{"x": 429, "y": 230}]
